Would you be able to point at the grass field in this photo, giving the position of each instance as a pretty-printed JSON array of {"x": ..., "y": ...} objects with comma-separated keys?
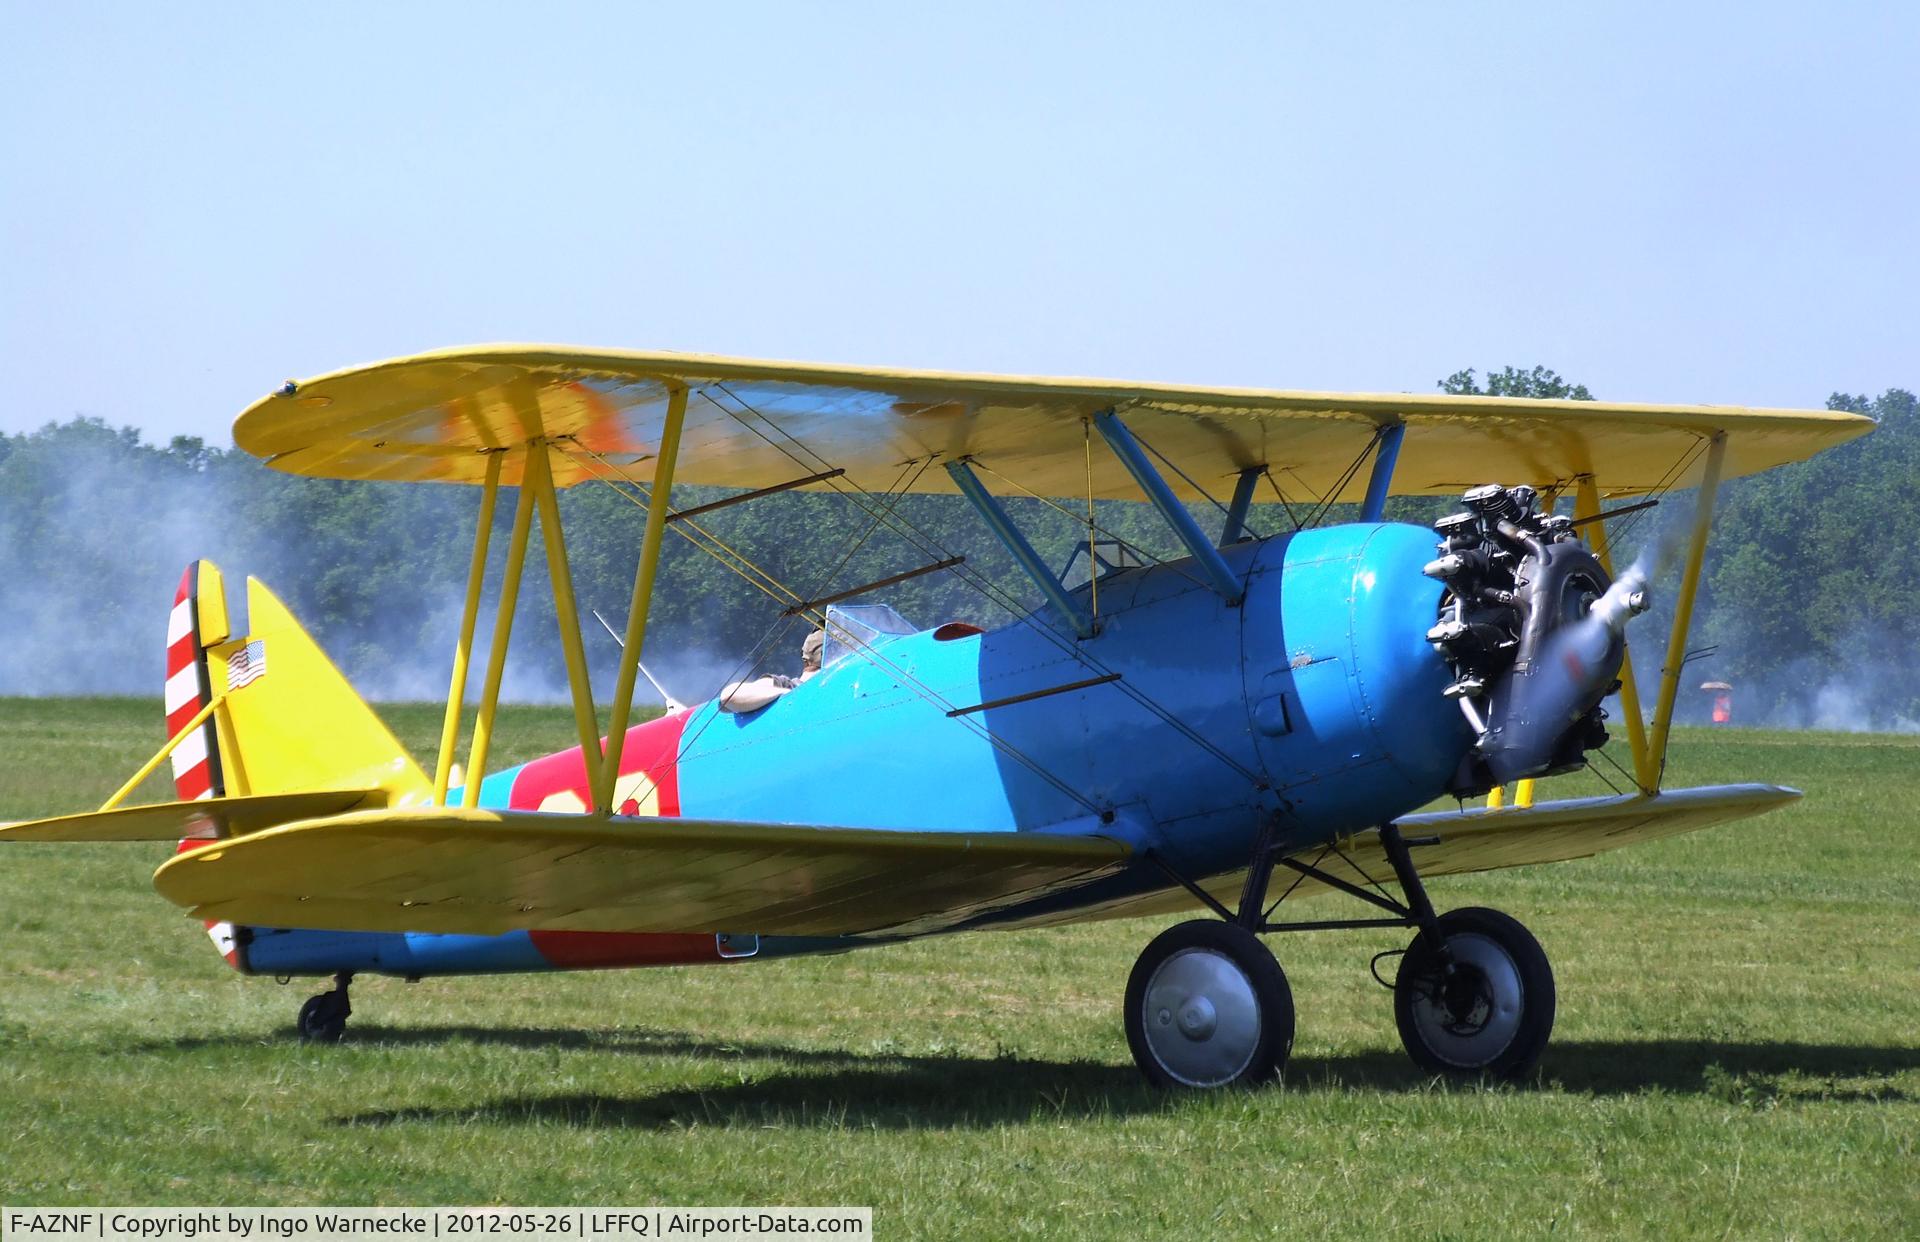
[{"x": 1737, "y": 1052}]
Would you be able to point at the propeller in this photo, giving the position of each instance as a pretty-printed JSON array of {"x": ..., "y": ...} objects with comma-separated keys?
[
  {"x": 1535, "y": 631},
  {"x": 1573, "y": 671}
]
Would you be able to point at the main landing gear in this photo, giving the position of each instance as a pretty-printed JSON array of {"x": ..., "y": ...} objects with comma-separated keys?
[
  {"x": 323, "y": 1019},
  {"x": 1208, "y": 1006}
]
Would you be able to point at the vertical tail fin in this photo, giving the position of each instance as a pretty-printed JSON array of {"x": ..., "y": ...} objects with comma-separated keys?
[
  {"x": 291, "y": 722},
  {"x": 287, "y": 720}
]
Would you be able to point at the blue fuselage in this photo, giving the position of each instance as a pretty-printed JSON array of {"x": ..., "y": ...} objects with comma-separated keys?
[
  {"x": 1317, "y": 697},
  {"x": 1314, "y": 703}
]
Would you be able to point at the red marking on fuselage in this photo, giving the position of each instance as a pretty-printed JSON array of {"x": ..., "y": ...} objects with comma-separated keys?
[
  {"x": 652, "y": 748},
  {"x": 602, "y": 950},
  {"x": 558, "y": 781}
]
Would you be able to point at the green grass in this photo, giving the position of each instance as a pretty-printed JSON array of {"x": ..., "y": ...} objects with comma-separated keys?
[{"x": 1737, "y": 1051}]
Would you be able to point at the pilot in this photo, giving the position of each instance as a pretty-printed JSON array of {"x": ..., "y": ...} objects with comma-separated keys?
[{"x": 750, "y": 696}]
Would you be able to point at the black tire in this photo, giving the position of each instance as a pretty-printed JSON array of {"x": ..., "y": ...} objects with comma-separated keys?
[
  {"x": 1491, "y": 1013},
  {"x": 323, "y": 1019},
  {"x": 1208, "y": 1007}
]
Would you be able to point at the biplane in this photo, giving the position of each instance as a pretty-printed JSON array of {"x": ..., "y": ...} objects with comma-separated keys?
[{"x": 1211, "y": 738}]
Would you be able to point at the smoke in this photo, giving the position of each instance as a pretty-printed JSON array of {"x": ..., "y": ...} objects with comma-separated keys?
[
  {"x": 1845, "y": 706},
  {"x": 96, "y": 528},
  {"x": 92, "y": 543},
  {"x": 1868, "y": 692},
  {"x": 1809, "y": 694},
  {"x": 408, "y": 656}
]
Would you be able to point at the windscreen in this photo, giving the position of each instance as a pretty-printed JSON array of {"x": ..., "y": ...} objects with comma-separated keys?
[{"x": 852, "y": 627}]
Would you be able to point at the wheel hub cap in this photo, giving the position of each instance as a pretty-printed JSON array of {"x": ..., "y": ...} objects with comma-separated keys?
[
  {"x": 1198, "y": 1019},
  {"x": 1203, "y": 1020}
]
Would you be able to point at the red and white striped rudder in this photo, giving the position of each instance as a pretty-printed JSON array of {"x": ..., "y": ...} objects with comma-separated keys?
[
  {"x": 196, "y": 760},
  {"x": 197, "y": 621}
]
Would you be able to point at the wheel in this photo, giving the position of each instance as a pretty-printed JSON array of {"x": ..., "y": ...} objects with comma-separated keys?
[
  {"x": 323, "y": 1019},
  {"x": 1485, "y": 1006},
  {"x": 1208, "y": 1006}
]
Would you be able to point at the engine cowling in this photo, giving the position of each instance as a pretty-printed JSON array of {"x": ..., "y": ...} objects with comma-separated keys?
[{"x": 1534, "y": 630}]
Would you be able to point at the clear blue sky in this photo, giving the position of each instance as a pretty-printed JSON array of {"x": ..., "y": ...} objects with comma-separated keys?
[{"x": 1666, "y": 202}]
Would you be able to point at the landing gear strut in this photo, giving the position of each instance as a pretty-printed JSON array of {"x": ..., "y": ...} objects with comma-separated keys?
[
  {"x": 1208, "y": 1006},
  {"x": 323, "y": 1019}
]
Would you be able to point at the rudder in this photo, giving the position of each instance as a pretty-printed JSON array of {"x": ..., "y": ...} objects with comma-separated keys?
[
  {"x": 198, "y": 620},
  {"x": 196, "y": 761},
  {"x": 286, "y": 721}
]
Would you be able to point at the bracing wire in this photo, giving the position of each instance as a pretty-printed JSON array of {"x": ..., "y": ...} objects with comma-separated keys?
[
  {"x": 1359, "y": 870},
  {"x": 1607, "y": 780},
  {"x": 1299, "y": 878},
  {"x": 929, "y": 544},
  {"x": 1055, "y": 505},
  {"x": 985, "y": 586},
  {"x": 1610, "y": 538},
  {"x": 1169, "y": 463},
  {"x": 728, "y": 557},
  {"x": 1631, "y": 778},
  {"x": 769, "y": 640},
  {"x": 1332, "y": 497},
  {"x": 1281, "y": 496}
]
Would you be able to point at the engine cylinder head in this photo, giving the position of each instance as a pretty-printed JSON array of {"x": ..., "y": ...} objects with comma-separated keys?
[{"x": 1491, "y": 500}]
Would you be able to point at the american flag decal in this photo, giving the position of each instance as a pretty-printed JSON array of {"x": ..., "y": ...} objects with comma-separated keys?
[{"x": 246, "y": 664}]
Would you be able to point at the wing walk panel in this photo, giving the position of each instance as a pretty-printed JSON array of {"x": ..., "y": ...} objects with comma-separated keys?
[
  {"x": 487, "y": 872},
  {"x": 427, "y": 418}
]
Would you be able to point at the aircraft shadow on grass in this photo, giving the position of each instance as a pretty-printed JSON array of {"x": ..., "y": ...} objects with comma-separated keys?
[{"x": 880, "y": 1089}]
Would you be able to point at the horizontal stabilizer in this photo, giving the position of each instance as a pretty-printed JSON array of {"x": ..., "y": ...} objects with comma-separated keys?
[
  {"x": 174, "y": 821},
  {"x": 487, "y": 872}
]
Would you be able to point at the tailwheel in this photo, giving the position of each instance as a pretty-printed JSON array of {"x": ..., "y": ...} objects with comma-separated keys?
[
  {"x": 1208, "y": 1006},
  {"x": 1475, "y": 996},
  {"x": 323, "y": 1019}
]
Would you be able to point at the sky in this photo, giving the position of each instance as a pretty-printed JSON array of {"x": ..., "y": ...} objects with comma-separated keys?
[{"x": 1667, "y": 203}]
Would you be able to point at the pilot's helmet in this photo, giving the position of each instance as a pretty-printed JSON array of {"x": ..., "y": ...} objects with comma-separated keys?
[{"x": 810, "y": 649}]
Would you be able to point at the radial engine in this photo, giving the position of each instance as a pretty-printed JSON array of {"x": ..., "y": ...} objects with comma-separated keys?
[{"x": 1534, "y": 630}]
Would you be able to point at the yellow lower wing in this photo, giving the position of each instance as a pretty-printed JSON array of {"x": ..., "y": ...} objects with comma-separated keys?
[
  {"x": 1465, "y": 841},
  {"x": 487, "y": 872},
  {"x": 211, "y": 817},
  {"x": 1457, "y": 842}
]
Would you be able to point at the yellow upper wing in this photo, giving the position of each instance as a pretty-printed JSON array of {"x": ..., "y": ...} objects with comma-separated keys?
[
  {"x": 751, "y": 424},
  {"x": 486, "y": 872}
]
